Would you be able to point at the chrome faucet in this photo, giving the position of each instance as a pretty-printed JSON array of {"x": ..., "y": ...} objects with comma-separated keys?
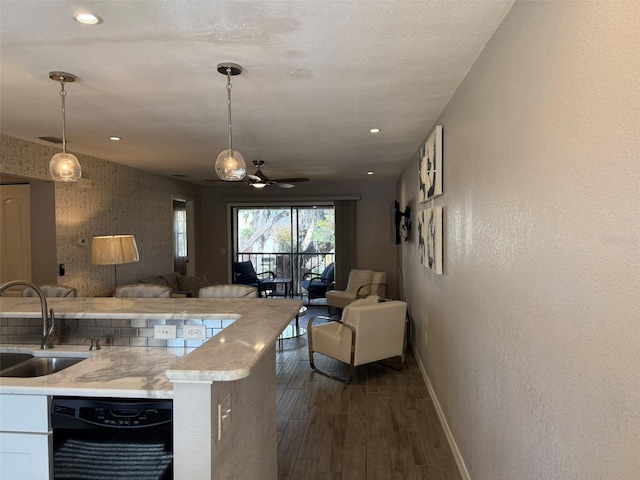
[{"x": 48, "y": 318}]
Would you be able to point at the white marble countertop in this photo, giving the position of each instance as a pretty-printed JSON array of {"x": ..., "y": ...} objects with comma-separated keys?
[
  {"x": 149, "y": 371},
  {"x": 133, "y": 372}
]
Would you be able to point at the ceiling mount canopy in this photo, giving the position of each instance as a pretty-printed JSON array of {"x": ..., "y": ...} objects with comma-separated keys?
[
  {"x": 64, "y": 167},
  {"x": 230, "y": 165}
]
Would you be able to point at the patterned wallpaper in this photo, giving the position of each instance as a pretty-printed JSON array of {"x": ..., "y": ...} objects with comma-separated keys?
[{"x": 121, "y": 200}]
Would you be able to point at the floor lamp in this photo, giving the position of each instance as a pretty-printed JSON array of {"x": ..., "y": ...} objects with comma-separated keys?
[{"x": 114, "y": 250}]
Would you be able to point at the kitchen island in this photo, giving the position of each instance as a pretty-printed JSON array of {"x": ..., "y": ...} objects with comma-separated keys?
[{"x": 234, "y": 368}]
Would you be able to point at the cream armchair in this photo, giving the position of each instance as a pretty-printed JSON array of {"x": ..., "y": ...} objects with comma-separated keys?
[
  {"x": 52, "y": 290},
  {"x": 143, "y": 290},
  {"x": 361, "y": 283},
  {"x": 367, "y": 333}
]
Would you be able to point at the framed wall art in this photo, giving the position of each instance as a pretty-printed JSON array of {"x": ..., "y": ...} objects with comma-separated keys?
[
  {"x": 430, "y": 239},
  {"x": 430, "y": 166}
]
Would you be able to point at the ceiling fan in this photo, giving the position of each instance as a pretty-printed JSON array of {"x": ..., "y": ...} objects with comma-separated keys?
[{"x": 260, "y": 180}]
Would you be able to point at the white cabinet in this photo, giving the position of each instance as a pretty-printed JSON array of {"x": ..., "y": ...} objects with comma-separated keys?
[
  {"x": 25, "y": 456},
  {"x": 25, "y": 437}
]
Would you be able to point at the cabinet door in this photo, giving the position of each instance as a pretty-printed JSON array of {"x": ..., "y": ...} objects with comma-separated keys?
[{"x": 25, "y": 456}]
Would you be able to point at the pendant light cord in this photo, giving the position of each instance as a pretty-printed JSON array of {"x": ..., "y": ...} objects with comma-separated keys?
[
  {"x": 229, "y": 104},
  {"x": 63, "y": 94}
]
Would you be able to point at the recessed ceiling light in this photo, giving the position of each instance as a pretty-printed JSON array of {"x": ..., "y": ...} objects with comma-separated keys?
[
  {"x": 115, "y": 138},
  {"x": 374, "y": 130},
  {"x": 370, "y": 172},
  {"x": 87, "y": 18}
]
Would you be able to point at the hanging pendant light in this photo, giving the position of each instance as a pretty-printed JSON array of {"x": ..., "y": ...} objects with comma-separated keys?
[
  {"x": 230, "y": 164},
  {"x": 64, "y": 167}
]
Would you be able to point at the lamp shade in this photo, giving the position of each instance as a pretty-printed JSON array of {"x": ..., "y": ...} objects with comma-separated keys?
[{"x": 114, "y": 250}]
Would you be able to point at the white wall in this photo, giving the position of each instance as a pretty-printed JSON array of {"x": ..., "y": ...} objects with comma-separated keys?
[{"x": 533, "y": 330}]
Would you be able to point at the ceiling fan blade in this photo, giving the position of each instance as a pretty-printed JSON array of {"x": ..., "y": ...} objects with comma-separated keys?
[
  {"x": 226, "y": 182},
  {"x": 291, "y": 180},
  {"x": 284, "y": 185},
  {"x": 254, "y": 177}
]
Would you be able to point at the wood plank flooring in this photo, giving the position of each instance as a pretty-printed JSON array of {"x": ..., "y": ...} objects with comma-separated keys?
[{"x": 383, "y": 426}]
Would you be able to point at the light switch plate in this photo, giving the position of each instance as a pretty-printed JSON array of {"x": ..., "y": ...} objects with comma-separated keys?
[
  {"x": 164, "y": 332},
  {"x": 224, "y": 416}
]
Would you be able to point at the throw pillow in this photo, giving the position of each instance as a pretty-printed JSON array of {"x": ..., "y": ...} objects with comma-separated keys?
[
  {"x": 153, "y": 281},
  {"x": 371, "y": 299},
  {"x": 192, "y": 284},
  {"x": 171, "y": 279}
]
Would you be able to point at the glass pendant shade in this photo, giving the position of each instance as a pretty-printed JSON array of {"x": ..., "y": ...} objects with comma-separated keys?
[
  {"x": 64, "y": 167},
  {"x": 230, "y": 165}
]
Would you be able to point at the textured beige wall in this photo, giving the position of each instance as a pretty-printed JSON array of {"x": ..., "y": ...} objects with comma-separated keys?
[
  {"x": 121, "y": 200},
  {"x": 533, "y": 331}
]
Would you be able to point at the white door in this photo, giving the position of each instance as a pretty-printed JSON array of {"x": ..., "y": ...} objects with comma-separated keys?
[{"x": 15, "y": 233}]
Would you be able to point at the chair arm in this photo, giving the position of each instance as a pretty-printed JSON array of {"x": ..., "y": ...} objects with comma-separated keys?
[
  {"x": 331, "y": 286},
  {"x": 323, "y": 317},
  {"x": 271, "y": 274},
  {"x": 242, "y": 277},
  {"x": 331, "y": 320},
  {"x": 361, "y": 295},
  {"x": 309, "y": 274}
]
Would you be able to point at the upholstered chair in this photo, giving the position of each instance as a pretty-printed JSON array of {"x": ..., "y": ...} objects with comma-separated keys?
[
  {"x": 51, "y": 290},
  {"x": 361, "y": 283},
  {"x": 316, "y": 286},
  {"x": 368, "y": 332},
  {"x": 245, "y": 273},
  {"x": 229, "y": 291},
  {"x": 143, "y": 290}
]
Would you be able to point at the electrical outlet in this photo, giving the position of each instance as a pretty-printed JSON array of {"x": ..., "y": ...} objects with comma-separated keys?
[
  {"x": 194, "y": 332},
  {"x": 425, "y": 340},
  {"x": 224, "y": 416},
  {"x": 165, "y": 332}
]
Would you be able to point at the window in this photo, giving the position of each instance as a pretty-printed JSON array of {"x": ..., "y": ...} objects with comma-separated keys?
[
  {"x": 180, "y": 232},
  {"x": 288, "y": 241}
]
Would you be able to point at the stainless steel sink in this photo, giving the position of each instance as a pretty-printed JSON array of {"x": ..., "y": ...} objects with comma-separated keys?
[
  {"x": 35, "y": 366},
  {"x": 8, "y": 359}
]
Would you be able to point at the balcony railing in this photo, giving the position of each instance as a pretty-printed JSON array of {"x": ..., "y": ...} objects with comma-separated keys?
[{"x": 293, "y": 265}]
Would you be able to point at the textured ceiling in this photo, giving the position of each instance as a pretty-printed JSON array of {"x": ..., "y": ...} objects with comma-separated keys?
[{"x": 317, "y": 76}]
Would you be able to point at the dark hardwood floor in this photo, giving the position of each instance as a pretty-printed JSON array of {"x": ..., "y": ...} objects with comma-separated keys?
[{"x": 382, "y": 426}]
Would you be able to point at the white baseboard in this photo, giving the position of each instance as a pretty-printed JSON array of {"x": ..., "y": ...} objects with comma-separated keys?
[{"x": 464, "y": 473}]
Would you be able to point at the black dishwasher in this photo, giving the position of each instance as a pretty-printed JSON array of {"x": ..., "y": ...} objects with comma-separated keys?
[{"x": 112, "y": 438}]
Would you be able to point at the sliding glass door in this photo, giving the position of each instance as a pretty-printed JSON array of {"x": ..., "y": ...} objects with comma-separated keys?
[{"x": 288, "y": 241}]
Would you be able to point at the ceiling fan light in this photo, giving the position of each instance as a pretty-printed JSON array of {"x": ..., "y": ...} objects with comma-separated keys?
[
  {"x": 258, "y": 185},
  {"x": 230, "y": 165},
  {"x": 64, "y": 167}
]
